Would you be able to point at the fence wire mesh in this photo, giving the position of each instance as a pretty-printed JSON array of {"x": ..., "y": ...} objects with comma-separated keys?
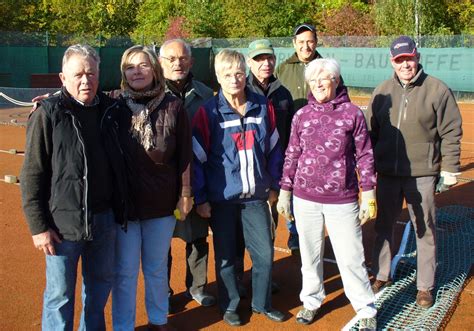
[{"x": 38, "y": 39}]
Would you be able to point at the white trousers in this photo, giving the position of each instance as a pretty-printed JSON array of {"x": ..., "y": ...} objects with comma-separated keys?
[{"x": 343, "y": 226}]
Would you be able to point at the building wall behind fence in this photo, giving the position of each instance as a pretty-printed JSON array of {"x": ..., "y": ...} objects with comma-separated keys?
[{"x": 361, "y": 67}]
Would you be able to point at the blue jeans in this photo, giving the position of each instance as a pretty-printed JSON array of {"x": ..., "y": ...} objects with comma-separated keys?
[
  {"x": 97, "y": 277},
  {"x": 254, "y": 220},
  {"x": 149, "y": 239}
]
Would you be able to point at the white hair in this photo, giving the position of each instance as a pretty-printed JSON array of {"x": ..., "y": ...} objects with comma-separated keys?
[
  {"x": 185, "y": 44},
  {"x": 82, "y": 50},
  {"x": 318, "y": 65}
]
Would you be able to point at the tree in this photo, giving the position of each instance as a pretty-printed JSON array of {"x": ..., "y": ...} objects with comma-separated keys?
[
  {"x": 436, "y": 17},
  {"x": 335, "y": 21}
]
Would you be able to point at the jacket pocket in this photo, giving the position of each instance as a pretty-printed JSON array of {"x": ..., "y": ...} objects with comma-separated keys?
[{"x": 420, "y": 156}]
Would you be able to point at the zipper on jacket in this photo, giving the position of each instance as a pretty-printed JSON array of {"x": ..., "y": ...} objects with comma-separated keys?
[
  {"x": 86, "y": 182},
  {"x": 401, "y": 113},
  {"x": 246, "y": 158}
]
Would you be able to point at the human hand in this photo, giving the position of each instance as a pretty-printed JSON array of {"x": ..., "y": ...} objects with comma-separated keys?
[
  {"x": 284, "y": 204},
  {"x": 446, "y": 180},
  {"x": 45, "y": 241},
  {"x": 184, "y": 206},
  {"x": 368, "y": 206},
  {"x": 204, "y": 210},
  {"x": 272, "y": 197},
  {"x": 36, "y": 101},
  {"x": 38, "y": 98}
]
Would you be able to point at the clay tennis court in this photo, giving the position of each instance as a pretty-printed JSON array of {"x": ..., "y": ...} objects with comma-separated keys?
[{"x": 22, "y": 267}]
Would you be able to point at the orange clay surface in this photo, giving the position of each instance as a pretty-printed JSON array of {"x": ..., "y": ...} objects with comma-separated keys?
[{"x": 22, "y": 266}]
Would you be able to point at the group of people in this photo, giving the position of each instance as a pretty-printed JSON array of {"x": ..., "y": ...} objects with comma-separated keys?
[{"x": 111, "y": 178}]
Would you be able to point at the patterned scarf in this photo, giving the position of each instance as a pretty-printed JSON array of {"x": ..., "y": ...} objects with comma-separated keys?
[{"x": 141, "y": 128}]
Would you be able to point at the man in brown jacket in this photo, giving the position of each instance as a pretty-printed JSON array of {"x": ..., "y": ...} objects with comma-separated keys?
[{"x": 415, "y": 126}]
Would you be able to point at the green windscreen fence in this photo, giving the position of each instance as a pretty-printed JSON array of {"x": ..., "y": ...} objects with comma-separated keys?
[
  {"x": 368, "y": 67},
  {"x": 19, "y": 63},
  {"x": 360, "y": 67}
]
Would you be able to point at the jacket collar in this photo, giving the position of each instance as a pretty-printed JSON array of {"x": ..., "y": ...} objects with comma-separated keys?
[
  {"x": 101, "y": 101},
  {"x": 415, "y": 81},
  {"x": 341, "y": 97},
  {"x": 294, "y": 58},
  {"x": 252, "y": 102},
  {"x": 190, "y": 87},
  {"x": 255, "y": 86}
]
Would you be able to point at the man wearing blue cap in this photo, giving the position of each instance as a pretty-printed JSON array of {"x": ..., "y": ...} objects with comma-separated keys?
[{"x": 415, "y": 126}]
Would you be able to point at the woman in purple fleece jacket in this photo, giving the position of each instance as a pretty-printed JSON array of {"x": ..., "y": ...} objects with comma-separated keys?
[{"x": 328, "y": 158}]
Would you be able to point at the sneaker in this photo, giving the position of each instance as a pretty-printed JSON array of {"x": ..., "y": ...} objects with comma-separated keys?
[
  {"x": 204, "y": 299},
  {"x": 306, "y": 316},
  {"x": 368, "y": 324},
  {"x": 232, "y": 318},
  {"x": 379, "y": 285},
  {"x": 424, "y": 299}
]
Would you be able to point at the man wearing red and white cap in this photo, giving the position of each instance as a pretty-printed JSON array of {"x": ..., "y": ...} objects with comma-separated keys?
[{"x": 415, "y": 126}]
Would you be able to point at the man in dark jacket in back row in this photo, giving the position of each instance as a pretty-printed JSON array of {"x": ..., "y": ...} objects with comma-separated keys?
[{"x": 73, "y": 191}]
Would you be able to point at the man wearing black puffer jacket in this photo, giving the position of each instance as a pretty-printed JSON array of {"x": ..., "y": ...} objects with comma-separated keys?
[{"x": 73, "y": 191}]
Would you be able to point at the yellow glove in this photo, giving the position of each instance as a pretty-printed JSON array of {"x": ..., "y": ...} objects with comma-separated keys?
[
  {"x": 368, "y": 206},
  {"x": 177, "y": 214}
]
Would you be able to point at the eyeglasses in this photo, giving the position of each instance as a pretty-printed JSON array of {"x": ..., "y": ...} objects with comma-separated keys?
[
  {"x": 237, "y": 76},
  {"x": 320, "y": 81},
  {"x": 172, "y": 59}
]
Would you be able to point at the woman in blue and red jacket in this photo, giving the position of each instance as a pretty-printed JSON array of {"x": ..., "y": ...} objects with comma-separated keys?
[{"x": 237, "y": 167}]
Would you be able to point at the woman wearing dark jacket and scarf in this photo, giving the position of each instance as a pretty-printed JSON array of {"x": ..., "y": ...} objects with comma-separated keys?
[{"x": 156, "y": 140}]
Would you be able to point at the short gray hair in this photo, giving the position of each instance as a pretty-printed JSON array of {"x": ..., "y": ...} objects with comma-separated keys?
[
  {"x": 228, "y": 58},
  {"x": 318, "y": 65},
  {"x": 185, "y": 44},
  {"x": 81, "y": 50}
]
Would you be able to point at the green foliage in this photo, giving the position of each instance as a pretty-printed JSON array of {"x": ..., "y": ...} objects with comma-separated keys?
[
  {"x": 395, "y": 17},
  {"x": 461, "y": 16},
  {"x": 204, "y": 18},
  {"x": 150, "y": 20},
  {"x": 153, "y": 19},
  {"x": 436, "y": 17}
]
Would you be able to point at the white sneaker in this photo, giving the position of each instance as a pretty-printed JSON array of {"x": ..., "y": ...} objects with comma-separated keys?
[
  {"x": 306, "y": 316},
  {"x": 368, "y": 324}
]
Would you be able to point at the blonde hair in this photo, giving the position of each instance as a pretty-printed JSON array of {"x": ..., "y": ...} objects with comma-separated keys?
[
  {"x": 158, "y": 78},
  {"x": 228, "y": 58}
]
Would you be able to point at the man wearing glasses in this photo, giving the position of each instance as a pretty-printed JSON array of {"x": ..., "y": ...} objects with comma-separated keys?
[{"x": 176, "y": 61}]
